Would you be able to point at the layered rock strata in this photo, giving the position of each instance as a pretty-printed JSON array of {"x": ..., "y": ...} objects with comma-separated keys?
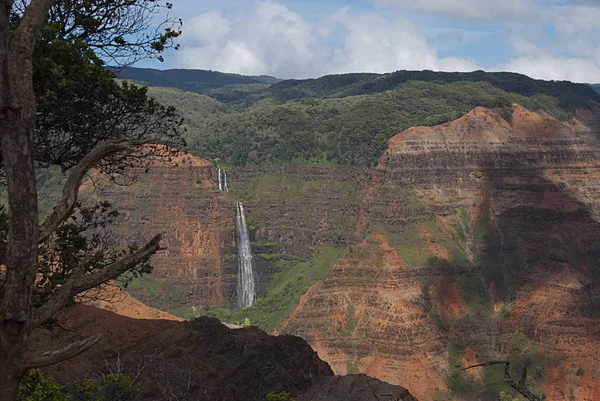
[{"x": 480, "y": 231}]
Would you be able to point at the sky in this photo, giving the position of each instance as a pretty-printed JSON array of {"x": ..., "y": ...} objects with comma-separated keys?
[{"x": 546, "y": 39}]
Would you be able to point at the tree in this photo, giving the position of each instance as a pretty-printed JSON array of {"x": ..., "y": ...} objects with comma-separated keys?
[
  {"x": 519, "y": 386},
  {"x": 58, "y": 106}
]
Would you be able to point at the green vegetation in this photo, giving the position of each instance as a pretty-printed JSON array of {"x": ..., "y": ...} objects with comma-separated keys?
[
  {"x": 341, "y": 130},
  {"x": 283, "y": 293},
  {"x": 341, "y": 119},
  {"x": 283, "y": 396},
  {"x": 352, "y": 368},
  {"x": 507, "y": 397},
  {"x": 158, "y": 293},
  {"x": 37, "y": 386},
  {"x": 492, "y": 381},
  {"x": 191, "y": 80}
]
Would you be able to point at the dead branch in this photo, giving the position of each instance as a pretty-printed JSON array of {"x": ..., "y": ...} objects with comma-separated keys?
[
  {"x": 70, "y": 351},
  {"x": 519, "y": 387}
]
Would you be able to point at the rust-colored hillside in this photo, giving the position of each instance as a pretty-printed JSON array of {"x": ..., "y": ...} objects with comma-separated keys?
[
  {"x": 481, "y": 241},
  {"x": 473, "y": 240}
]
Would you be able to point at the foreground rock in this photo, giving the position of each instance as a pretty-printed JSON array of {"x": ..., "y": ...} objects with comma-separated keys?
[
  {"x": 355, "y": 388},
  {"x": 200, "y": 360}
]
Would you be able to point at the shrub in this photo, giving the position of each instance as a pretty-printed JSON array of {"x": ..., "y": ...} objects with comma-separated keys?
[
  {"x": 36, "y": 386},
  {"x": 283, "y": 396}
]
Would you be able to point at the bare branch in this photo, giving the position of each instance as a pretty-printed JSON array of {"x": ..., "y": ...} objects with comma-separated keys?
[
  {"x": 59, "y": 355},
  {"x": 76, "y": 285},
  {"x": 519, "y": 387},
  {"x": 71, "y": 187}
]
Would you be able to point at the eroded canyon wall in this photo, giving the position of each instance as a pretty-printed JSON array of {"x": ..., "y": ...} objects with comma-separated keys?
[
  {"x": 470, "y": 241},
  {"x": 476, "y": 240}
]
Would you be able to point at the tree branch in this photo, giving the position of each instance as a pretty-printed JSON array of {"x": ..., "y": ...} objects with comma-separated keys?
[
  {"x": 34, "y": 18},
  {"x": 71, "y": 187},
  {"x": 76, "y": 285},
  {"x": 519, "y": 387},
  {"x": 62, "y": 354}
]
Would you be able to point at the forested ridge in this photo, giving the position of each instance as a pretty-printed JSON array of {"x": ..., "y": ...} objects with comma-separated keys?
[{"x": 340, "y": 119}]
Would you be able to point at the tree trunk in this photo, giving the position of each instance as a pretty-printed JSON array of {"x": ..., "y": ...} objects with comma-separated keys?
[
  {"x": 16, "y": 308},
  {"x": 10, "y": 376},
  {"x": 17, "y": 122}
]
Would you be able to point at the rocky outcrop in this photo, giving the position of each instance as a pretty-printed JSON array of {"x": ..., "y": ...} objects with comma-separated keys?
[
  {"x": 198, "y": 360},
  {"x": 355, "y": 388},
  {"x": 481, "y": 232},
  {"x": 181, "y": 200}
]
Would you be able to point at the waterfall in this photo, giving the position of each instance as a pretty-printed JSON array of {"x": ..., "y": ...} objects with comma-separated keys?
[
  {"x": 245, "y": 288},
  {"x": 223, "y": 186}
]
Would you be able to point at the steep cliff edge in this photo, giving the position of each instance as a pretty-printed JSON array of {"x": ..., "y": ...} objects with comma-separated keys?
[
  {"x": 180, "y": 199},
  {"x": 477, "y": 239},
  {"x": 201, "y": 360}
]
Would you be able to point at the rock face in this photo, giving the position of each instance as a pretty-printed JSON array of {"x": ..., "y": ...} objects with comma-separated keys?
[
  {"x": 470, "y": 241},
  {"x": 480, "y": 235},
  {"x": 182, "y": 201},
  {"x": 198, "y": 360}
]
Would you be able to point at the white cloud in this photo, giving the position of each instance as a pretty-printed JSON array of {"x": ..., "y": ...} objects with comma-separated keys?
[
  {"x": 271, "y": 39},
  {"x": 375, "y": 44},
  {"x": 485, "y": 10},
  {"x": 554, "y": 68},
  {"x": 205, "y": 29},
  {"x": 266, "y": 37},
  {"x": 534, "y": 61}
]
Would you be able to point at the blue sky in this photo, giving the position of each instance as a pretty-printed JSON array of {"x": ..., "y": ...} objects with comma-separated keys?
[{"x": 548, "y": 39}]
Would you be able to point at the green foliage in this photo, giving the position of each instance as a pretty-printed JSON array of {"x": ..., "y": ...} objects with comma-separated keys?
[
  {"x": 347, "y": 119},
  {"x": 283, "y": 396},
  {"x": 506, "y": 397},
  {"x": 111, "y": 387},
  {"x": 159, "y": 293},
  {"x": 352, "y": 368},
  {"x": 193, "y": 80},
  {"x": 458, "y": 381},
  {"x": 99, "y": 108},
  {"x": 287, "y": 287},
  {"x": 36, "y": 386}
]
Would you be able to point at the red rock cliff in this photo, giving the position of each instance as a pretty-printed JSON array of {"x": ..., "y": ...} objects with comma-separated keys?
[{"x": 480, "y": 232}]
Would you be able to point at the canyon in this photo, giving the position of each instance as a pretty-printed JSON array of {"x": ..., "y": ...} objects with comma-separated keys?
[{"x": 469, "y": 241}]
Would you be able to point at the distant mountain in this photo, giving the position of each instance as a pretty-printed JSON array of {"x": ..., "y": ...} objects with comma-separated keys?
[
  {"x": 244, "y": 91},
  {"x": 189, "y": 80},
  {"x": 569, "y": 95}
]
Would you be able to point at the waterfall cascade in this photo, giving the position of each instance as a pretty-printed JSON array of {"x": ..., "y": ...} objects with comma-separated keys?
[
  {"x": 223, "y": 186},
  {"x": 245, "y": 288}
]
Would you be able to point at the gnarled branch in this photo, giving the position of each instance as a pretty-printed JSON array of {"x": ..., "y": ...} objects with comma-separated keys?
[
  {"x": 62, "y": 354},
  {"x": 76, "y": 285},
  {"x": 519, "y": 387},
  {"x": 71, "y": 187}
]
